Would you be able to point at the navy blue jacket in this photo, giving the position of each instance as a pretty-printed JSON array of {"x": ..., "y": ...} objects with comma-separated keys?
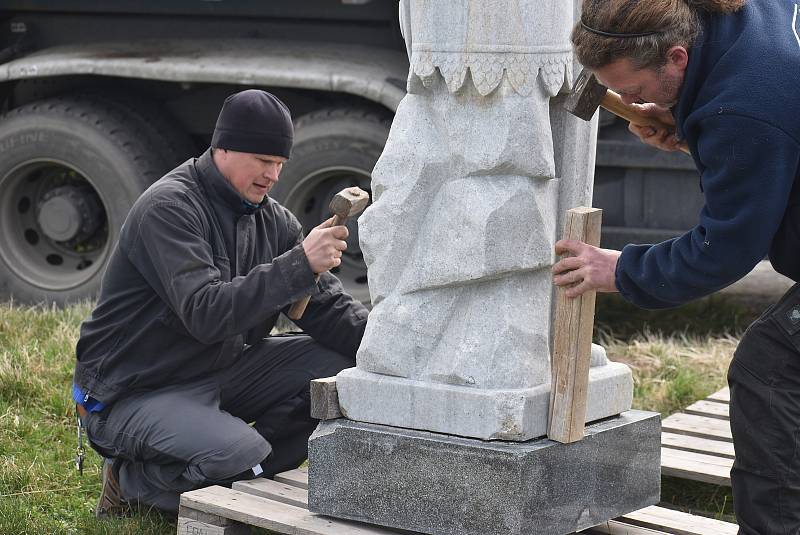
[{"x": 739, "y": 111}]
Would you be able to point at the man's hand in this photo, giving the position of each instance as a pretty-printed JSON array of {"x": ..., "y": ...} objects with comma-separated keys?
[
  {"x": 324, "y": 246},
  {"x": 590, "y": 268},
  {"x": 659, "y": 138}
]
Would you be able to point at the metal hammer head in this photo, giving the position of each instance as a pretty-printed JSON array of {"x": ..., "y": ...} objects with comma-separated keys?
[
  {"x": 349, "y": 202},
  {"x": 586, "y": 95}
]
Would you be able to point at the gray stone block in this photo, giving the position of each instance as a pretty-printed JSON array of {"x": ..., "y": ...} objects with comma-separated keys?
[{"x": 445, "y": 485}]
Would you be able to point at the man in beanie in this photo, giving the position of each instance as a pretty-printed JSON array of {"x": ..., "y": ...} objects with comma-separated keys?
[
  {"x": 723, "y": 74},
  {"x": 176, "y": 362}
]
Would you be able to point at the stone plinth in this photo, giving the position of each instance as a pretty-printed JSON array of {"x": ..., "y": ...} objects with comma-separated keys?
[
  {"x": 488, "y": 414},
  {"x": 445, "y": 485}
]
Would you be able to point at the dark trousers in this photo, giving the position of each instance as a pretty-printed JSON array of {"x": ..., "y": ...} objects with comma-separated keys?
[
  {"x": 764, "y": 379},
  {"x": 215, "y": 430}
]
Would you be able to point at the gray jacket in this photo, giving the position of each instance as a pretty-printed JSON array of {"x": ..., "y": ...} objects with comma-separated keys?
[{"x": 195, "y": 276}]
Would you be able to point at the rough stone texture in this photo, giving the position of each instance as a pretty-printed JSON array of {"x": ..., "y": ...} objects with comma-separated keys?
[
  {"x": 468, "y": 194},
  {"x": 443, "y": 485}
]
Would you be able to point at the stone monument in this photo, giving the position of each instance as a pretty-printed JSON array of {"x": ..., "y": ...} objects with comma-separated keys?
[{"x": 480, "y": 166}]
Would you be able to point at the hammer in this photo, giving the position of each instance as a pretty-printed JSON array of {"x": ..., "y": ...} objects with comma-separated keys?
[
  {"x": 347, "y": 203},
  {"x": 587, "y": 94}
]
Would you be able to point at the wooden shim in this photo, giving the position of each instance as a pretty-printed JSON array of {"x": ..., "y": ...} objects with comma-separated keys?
[
  {"x": 324, "y": 399},
  {"x": 679, "y": 523},
  {"x": 274, "y": 490},
  {"x": 720, "y": 448},
  {"x": 296, "y": 478},
  {"x": 723, "y": 396},
  {"x": 712, "y": 409},
  {"x": 572, "y": 344},
  {"x": 278, "y": 517},
  {"x": 696, "y": 466},
  {"x": 698, "y": 426}
]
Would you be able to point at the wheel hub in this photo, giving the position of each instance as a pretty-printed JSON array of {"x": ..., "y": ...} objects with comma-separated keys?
[{"x": 69, "y": 214}]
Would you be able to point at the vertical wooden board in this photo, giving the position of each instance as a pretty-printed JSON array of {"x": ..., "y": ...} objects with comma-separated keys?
[{"x": 574, "y": 322}]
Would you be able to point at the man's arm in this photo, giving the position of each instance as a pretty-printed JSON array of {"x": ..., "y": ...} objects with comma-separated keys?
[
  {"x": 172, "y": 253},
  {"x": 750, "y": 167}
]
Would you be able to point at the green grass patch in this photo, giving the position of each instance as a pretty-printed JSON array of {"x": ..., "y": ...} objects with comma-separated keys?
[{"x": 40, "y": 490}]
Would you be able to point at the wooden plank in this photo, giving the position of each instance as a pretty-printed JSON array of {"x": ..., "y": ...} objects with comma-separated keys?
[
  {"x": 297, "y": 477},
  {"x": 263, "y": 513},
  {"x": 719, "y": 448},
  {"x": 189, "y": 526},
  {"x": 723, "y": 396},
  {"x": 613, "y": 527},
  {"x": 572, "y": 344},
  {"x": 696, "y": 466},
  {"x": 191, "y": 522},
  {"x": 325, "y": 399},
  {"x": 711, "y": 409},
  {"x": 274, "y": 490},
  {"x": 698, "y": 426},
  {"x": 679, "y": 523}
]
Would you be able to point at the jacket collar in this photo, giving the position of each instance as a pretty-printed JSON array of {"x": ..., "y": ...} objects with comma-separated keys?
[{"x": 218, "y": 187}]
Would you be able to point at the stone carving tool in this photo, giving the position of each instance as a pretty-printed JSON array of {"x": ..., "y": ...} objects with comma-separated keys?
[
  {"x": 347, "y": 203},
  {"x": 587, "y": 94}
]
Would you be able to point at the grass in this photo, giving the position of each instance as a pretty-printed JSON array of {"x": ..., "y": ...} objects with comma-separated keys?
[{"x": 677, "y": 357}]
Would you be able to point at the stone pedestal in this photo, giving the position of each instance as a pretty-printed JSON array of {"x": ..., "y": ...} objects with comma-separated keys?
[
  {"x": 445, "y": 485},
  {"x": 464, "y": 410}
]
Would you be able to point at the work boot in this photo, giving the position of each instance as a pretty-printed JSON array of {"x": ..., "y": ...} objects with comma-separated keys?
[{"x": 111, "y": 503}]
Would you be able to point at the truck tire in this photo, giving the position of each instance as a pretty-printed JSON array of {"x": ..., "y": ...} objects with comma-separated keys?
[
  {"x": 333, "y": 149},
  {"x": 173, "y": 145},
  {"x": 70, "y": 169}
]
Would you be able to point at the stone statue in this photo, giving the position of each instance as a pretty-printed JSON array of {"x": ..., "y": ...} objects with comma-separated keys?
[{"x": 480, "y": 165}]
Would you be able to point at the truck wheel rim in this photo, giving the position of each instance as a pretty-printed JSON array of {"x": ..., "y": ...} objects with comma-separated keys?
[
  {"x": 308, "y": 200},
  {"x": 53, "y": 225}
]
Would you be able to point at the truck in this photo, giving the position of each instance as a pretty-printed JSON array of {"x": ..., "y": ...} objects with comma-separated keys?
[{"x": 100, "y": 98}]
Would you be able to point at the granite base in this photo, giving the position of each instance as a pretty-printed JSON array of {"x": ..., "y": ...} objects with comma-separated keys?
[{"x": 447, "y": 485}]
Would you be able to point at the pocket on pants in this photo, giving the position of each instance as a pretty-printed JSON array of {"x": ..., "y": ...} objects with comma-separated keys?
[
  {"x": 787, "y": 315},
  {"x": 770, "y": 348}
]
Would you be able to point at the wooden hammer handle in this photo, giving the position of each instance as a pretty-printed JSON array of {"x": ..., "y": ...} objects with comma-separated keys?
[
  {"x": 298, "y": 308},
  {"x": 613, "y": 103}
]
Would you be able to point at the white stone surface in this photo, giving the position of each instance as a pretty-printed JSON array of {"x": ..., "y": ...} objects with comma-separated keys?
[{"x": 468, "y": 197}]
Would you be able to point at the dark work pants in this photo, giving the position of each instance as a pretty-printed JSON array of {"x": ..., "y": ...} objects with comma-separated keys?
[
  {"x": 764, "y": 379},
  {"x": 189, "y": 436}
]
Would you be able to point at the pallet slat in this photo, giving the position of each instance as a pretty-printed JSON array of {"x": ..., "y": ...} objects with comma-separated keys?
[
  {"x": 679, "y": 523},
  {"x": 274, "y": 516},
  {"x": 723, "y": 396},
  {"x": 711, "y": 409},
  {"x": 618, "y": 528},
  {"x": 274, "y": 490},
  {"x": 719, "y": 448},
  {"x": 696, "y": 466},
  {"x": 297, "y": 477},
  {"x": 698, "y": 426}
]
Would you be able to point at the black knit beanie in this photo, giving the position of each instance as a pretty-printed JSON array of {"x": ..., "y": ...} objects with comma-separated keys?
[{"x": 254, "y": 121}]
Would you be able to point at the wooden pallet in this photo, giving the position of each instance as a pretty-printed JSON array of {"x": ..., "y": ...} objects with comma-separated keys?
[
  {"x": 696, "y": 444},
  {"x": 281, "y": 505}
]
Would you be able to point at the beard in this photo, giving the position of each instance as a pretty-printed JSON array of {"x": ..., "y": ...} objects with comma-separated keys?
[{"x": 669, "y": 88}]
